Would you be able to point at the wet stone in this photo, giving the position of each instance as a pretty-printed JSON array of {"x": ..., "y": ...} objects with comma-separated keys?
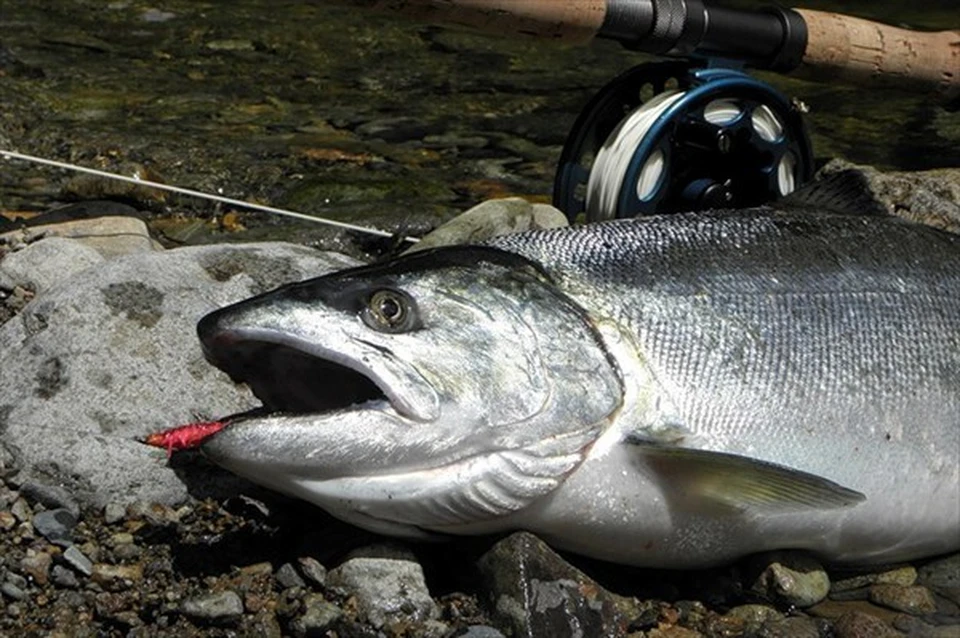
[
  {"x": 388, "y": 589},
  {"x": 790, "y": 578},
  {"x": 63, "y": 577},
  {"x": 943, "y": 577},
  {"x": 915, "y": 599},
  {"x": 313, "y": 571},
  {"x": 51, "y": 496},
  {"x": 12, "y": 592},
  {"x": 56, "y": 525},
  {"x": 318, "y": 616},
  {"x": 913, "y": 626},
  {"x": 288, "y": 577},
  {"x": 905, "y": 576},
  {"x": 534, "y": 592},
  {"x": 75, "y": 558},
  {"x": 114, "y": 513},
  {"x": 116, "y": 577},
  {"x": 21, "y": 510},
  {"x": 478, "y": 631},
  {"x": 223, "y": 607},
  {"x": 754, "y": 616},
  {"x": 791, "y": 627},
  {"x": 36, "y": 565},
  {"x": 857, "y": 624}
]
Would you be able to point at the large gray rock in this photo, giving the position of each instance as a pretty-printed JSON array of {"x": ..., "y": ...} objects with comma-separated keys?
[
  {"x": 45, "y": 263},
  {"x": 111, "y": 355}
]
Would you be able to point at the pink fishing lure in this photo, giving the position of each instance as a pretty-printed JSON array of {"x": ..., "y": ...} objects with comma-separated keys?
[{"x": 184, "y": 437}]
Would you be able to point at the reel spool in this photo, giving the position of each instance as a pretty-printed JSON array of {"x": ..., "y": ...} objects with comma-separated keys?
[{"x": 664, "y": 137}]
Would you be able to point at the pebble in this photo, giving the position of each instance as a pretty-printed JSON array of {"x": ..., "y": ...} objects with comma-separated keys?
[
  {"x": 791, "y": 578},
  {"x": 288, "y": 577},
  {"x": 36, "y": 565},
  {"x": 7, "y": 520},
  {"x": 116, "y": 577},
  {"x": 791, "y": 627},
  {"x": 12, "y": 592},
  {"x": 21, "y": 510},
  {"x": 51, "y": 496},
  {"x": 63, "y": 577},
  {"x": 754, "y": 616},
  {"x": 943, "y": 576},
  {"x": 222, "y": 607},
  {"x": 9, "y": 461},
  {"x": 915, "y": 627},
  {"x": 905, "y": 576},
  {"x": 153, "y": 514},
  {"x": 313, "y": 571},
  {"x": 56, "y": 525},
  {"x": 114, "y": 513},
  {"x": 76, "y": 559},
  {"x": 478, "y": 631},
  {"x": 915, "y": 599},
  {"x": 857, "y": 624},
  {"x": 318, "y": 616},
  {"x": 387, "y": 590}
]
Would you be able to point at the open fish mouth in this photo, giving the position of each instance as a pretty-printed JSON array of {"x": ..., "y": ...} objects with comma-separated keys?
[
  {"x": 294, "y": 374},
  {"x": 292, "y": 380}
]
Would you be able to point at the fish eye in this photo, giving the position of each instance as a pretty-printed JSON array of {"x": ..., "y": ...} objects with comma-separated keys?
[{"x": 390, "y": 310}]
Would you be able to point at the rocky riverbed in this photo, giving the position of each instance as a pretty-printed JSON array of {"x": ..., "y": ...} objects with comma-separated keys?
[{"x": 102, "y": 536}]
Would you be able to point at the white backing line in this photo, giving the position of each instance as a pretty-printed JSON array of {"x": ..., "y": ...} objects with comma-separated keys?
[{"x": 199, "y": 194}]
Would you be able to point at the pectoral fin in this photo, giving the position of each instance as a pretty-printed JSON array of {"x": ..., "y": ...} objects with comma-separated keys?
[{"x": 742, "y": 483}]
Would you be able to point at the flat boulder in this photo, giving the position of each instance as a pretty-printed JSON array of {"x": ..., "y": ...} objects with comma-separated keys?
[{"x": 110, "y": 354}]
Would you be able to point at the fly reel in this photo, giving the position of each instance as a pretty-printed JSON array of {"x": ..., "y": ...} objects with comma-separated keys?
[{"x": 665, "y": 137}]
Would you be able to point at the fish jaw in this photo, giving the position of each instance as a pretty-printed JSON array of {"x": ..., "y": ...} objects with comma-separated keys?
[{"x": 483, "y": 402}]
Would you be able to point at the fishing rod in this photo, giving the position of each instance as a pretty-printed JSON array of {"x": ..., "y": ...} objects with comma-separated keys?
[
  {"x": 811, "y": 43},
  {"x": 699, "y": 132}
]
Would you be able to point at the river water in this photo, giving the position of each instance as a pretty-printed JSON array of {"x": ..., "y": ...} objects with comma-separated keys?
[{"x": 348, "y": 114}]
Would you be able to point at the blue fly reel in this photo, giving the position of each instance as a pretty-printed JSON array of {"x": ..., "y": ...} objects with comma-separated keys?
[{"x": 664, "y": 137}]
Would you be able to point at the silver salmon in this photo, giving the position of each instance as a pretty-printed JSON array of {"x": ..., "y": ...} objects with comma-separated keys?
[{"x": 673, "y": 391}]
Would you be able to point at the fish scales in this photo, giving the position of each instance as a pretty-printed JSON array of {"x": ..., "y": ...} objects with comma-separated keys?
[
  {"x": 782, "y": 339},
  {"x": 672, "y": 391}
]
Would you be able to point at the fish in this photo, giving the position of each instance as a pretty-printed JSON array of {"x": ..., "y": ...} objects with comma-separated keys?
[{"x": 671, "y": 391}]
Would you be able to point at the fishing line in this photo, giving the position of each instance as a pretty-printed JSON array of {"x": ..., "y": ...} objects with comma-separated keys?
[
  {"x": 200, "y": 194},
  {"x": 613, "y": 158}
]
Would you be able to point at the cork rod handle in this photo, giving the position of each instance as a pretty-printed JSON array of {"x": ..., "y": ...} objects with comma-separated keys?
[{"x": 875, "y": 54}]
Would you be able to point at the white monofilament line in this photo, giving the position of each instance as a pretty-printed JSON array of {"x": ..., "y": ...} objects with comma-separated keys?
[{"x": 199, "y": 194}]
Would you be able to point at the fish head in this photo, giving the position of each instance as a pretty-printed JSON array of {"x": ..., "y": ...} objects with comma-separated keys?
[{"x": 434, "y": 390}]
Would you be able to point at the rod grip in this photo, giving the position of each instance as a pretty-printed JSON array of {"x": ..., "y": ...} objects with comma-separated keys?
[
  {"x": 570, "y": 21},
  {"x": 874, "y": 54}
]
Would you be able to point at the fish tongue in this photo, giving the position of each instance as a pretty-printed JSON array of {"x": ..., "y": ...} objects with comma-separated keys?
[{"x": 184, "y": 437}]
